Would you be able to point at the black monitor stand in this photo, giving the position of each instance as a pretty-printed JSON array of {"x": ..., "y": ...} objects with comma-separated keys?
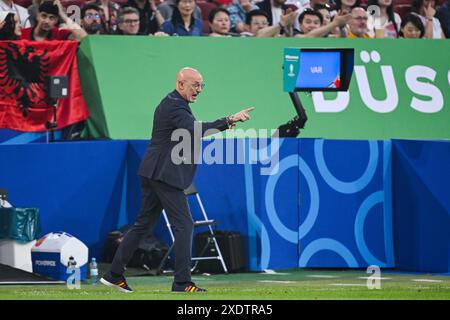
[
  {"x": 291, "y": 129},
  {"x": 301, "y": 112},
  {"x": 52, "y": 124}
]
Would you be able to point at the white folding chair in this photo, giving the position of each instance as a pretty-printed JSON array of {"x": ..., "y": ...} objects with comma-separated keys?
[{"x": 192, "y": 191}]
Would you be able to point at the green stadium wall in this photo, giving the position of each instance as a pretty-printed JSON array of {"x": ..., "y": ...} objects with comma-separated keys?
[{"x": 399, "y": 89}]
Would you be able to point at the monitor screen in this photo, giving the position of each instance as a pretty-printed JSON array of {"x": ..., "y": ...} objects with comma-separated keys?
[{"x": 319, "y": 70}]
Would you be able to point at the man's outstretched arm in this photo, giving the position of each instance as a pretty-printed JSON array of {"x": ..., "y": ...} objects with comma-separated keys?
[{"x": 183, "y": 119}]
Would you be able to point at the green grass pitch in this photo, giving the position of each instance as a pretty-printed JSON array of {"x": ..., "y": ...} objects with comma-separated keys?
[{"x": 293, "y": 284}]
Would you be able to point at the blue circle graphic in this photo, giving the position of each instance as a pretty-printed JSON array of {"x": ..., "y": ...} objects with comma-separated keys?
[
  {"x": 342, "y": 186},
  {"x": 305, "y": 227},
  {"x": 363, "y": 211},
  {"x": 327, "y": 244},
  {"x": 265, "y": 240}
]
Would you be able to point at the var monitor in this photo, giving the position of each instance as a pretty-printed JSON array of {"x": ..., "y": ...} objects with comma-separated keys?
[{"x": 320, "y": 69}]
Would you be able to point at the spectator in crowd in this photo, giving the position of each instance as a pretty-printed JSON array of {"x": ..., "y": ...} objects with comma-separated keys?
[
  {"x": 314, "y": 3},
  {"x": 308, "y": 20},
  {"x": 312, "y": 27},
  {"x": 46, "y": 29},
  {"x": 443, "y": 15},
  {"x": 325, "y": 11},
  {"x": 346, "y": 6},
  {"x": 21, "y": 12},
  {"x": 425, "y": 9},
  {"x": 387, "y": 23},
  {"x": 255, "y": 21},
  {"x": 91, "y": 19},
  {"x": 150, "y": 17},
  {"x": 183, "y": 22},
  {"x": 412, "y": 27},
  {"x": 33, "y": 11},
  {"x": 238, "y": 11},
  {"x": 219, "y": 22},
  {"x": 128, "y": 22},
  {"x": 311, "y": 4},
  {"x": 110, "y": 12},
  {"x": 284, "y": 28},
  {"x": 300, "y": 4},
  {"x": 274, "y": 9},
  {"x": 10, "y": 28},
  {"x": 166, "y": 9},
  {"x": 358, "y": 24}
]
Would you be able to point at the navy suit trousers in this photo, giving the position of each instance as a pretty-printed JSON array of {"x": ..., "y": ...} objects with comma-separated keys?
[{"x": 155, "y": 197}]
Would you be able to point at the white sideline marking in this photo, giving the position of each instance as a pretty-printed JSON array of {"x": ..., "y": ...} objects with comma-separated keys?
[
  {"x": 270, "y": 271},
  {"x": 348, "y": 284},
  {"x": 322, "y": 276},
  {"x": 426, "y": 280},
  {"x": 375, "y": 278},
  {"x": 277, "y": 281}
]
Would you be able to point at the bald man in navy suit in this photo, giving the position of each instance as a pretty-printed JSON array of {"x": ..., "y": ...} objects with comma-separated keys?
[{"x": 165, "y": 174}]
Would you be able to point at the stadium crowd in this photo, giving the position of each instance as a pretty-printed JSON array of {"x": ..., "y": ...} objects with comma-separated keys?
[{"x": 75, "y": 19}]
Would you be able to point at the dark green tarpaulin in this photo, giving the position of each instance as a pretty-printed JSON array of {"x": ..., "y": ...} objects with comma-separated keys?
[{"x": 21, "y": 224}]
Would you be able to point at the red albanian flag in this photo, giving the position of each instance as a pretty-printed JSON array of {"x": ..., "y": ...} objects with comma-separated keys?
[{"x": 24, "y": 101}]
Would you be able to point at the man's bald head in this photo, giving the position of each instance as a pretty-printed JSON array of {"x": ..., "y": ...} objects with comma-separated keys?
[
  {"x": 187, "y": 73},
  {"x": 359, "y": 12},
  {"x": 189, "y": 83}
]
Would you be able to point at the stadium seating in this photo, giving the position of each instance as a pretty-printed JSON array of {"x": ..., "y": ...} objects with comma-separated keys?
[
  {"x": 23, "y": 3},
  {"x": 292, "y": 6},
  {"x": 222, "y": 2},
  {"x": 123, "y": 3},
  {"x": 402, "y": 9},
  {"x": 68, "y": 3},
  {"x": 205, "y": 8}
]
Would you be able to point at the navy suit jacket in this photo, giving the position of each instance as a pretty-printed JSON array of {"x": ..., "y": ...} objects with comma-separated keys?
[{"x": 174, "y": 113}]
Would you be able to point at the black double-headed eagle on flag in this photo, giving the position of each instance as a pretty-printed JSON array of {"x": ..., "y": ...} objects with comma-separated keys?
[{"x": 22, "y": 75}]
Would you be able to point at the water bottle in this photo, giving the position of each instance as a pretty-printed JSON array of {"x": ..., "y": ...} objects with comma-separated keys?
[
  {"x": 93, "y": 271},
  {"x": 71, "y": 263}
]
